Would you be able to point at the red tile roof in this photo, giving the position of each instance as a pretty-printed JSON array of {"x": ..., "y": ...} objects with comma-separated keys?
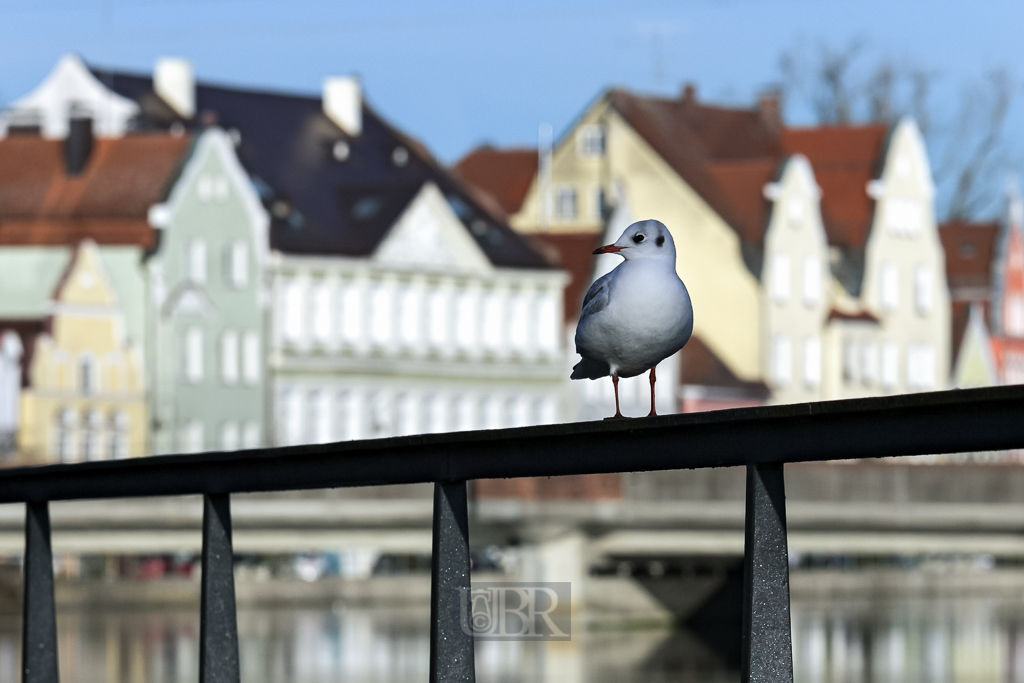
[
  {"x": 726, "y": 155},
  {"x": 575, "y": 251},
  {"x": 845, "y": 159},
  {"x": 689, "y": 136},
  {"x": 970, "y": 251},
  {"x": 41, "y": 204},
  {"x": 504, "y": 173},
  {"x": 742, "y": 184}
]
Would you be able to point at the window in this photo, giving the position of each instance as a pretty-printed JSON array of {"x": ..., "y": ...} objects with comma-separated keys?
[
  {"x": 87, "y": 374},
  {"x": 64, "y": 436},
  {"x": 565, "y": 203},
  {"x": 408, "y": 418},
  {"x": 291, "y": 405},
  {"x": 192, "y": 437},
  {"x": 851, "y": 363},
  {"x": 493, "y": 315},
  {"x": 229, "y": 436},
  {"x": 591, "y": 141},
  {"x": 352, "y": 313},
  {"x": 251, "y": 435},
  {"x": 519, "y": 410},
  {"x": 920, "y": 366},
  {"x": 236, "y": 264},
  {"x": 903, "y": 217},
  {"x": 293, "y": 313},
  {"x": 92, "y": 435},
  {"x": 409, "y": 315},
  {"x": 381, "y": 415},
  {"x": 437, "y": 413},
  {"x": 118, "y": 441},
  {"x": 780, "y": 277},
  {"x": 194, "y": 355},
  {"x": 320, "y": 417},
  {"x": 547, "y": 322},
  {"x": 195, "y": 260},
  {"x": 494, "y": 414},
  {"x": 381, "y": 313},
  {"x": 869, "y": 362},
  {"x": 1015, "y": 315},
  {"x": 547, "y": 410},
  {"x": 923, "y": 292},
  {"x": 890, "y": 286},
  {"x": 812, "y": 362},
  {"x": 795, "y": 211},
  {"x": 251, "y": 358},
  {"x": 782, "y": 359},
  {"x": 465, "y": 320},
  {"x": 229, "y": 357},
  {"x": 321, "y": 312},
  {"x": 890, "y": 364},
  {"x": 438, "y": 312},
  {"x": 519, "y": 325},
  {"x": 811, "y": 279},
  {"x": 465, "y": 413}
]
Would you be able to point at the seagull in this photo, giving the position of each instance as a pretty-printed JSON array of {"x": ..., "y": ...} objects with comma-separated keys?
[{"x": 638, "y": 314}]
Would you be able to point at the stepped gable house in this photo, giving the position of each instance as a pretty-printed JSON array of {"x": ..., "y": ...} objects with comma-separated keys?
[{"x": 820, "y": 243}]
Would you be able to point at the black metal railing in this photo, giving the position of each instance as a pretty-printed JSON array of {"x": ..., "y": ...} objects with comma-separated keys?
[{"x": 762, "y": 439}]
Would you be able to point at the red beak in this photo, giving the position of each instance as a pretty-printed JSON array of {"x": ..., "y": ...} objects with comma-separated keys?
[{"x": 608, "y": 249}]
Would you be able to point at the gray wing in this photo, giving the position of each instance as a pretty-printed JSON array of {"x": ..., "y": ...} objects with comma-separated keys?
[{"x": 597, "y": 296}]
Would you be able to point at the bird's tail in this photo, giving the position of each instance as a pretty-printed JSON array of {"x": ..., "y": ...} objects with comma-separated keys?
[{"x": 588, "y": 368}]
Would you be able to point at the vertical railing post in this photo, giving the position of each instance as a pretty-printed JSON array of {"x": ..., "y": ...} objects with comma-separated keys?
[
  {"x": 451, "y": 646},
  {"x": 218, "y": 624},
  {"x": 39, "y": 614},
  {"x": 767, "y": 640}
]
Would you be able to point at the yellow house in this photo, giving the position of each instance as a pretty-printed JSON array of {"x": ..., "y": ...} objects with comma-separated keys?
[{"x": 85, "y": 398}]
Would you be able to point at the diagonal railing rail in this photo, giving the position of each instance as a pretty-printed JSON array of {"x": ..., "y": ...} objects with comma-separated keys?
[{"x": 763, "y": 439}]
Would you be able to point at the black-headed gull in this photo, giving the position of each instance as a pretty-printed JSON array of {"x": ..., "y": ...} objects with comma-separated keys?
[{"x": 637, "y": 315}]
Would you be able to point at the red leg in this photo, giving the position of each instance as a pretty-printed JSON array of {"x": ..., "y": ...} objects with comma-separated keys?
[
  {"x": 653, "y": 379},
  {"x": 615, "y": 384}
]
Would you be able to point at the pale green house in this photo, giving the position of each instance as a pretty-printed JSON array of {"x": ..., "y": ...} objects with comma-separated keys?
[{"x": 206, "y": 314}]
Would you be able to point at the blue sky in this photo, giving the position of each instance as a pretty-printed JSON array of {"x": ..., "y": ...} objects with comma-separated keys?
[{"x": 459, "y": 73}]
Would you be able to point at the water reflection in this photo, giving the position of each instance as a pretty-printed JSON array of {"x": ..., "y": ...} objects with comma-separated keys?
[
  {"x": 856, "y": 641},
  {"x": 928, "y": 640}
]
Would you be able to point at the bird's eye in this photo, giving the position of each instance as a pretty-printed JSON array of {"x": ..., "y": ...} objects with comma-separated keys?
[
  {"x": 660, "y": 241},
  {"x": 638, "y": 238}
]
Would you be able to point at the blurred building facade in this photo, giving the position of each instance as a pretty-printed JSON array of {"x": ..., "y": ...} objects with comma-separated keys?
[
  {"x": 85, "y": 395},
  {"x": 812, "y": 256},
  {"x": 985, "y": 264},
  {"x": 291, "y": 269}
]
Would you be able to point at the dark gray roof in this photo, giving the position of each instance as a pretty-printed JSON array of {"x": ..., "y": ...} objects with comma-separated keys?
[{"x": 319, "y": 205}]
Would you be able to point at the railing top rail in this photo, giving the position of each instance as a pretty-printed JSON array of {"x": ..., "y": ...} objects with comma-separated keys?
[{"x": 912, "y": 424}]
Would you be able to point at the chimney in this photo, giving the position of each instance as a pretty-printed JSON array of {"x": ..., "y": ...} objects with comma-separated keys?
[
  {"x": 689, "y": 94},
  {"x": 175, "y": 83},
  {"x": 769, "y": 107},
  {"x": 343, "y": 103},
  {"x": 78, "y": 144}
]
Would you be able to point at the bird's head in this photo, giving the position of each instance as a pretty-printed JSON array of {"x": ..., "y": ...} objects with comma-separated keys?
[{"x": 643, "y": 239}]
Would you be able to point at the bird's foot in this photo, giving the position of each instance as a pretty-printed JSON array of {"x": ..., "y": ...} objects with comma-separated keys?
[
  {"x": 616, "y": 416},
  {"x": 653, "y": 413}
]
